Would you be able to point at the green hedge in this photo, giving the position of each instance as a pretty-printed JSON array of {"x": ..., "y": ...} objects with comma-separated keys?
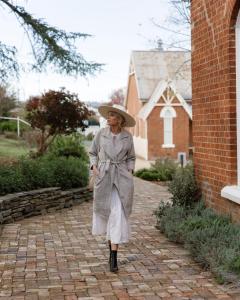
[
  {"x": 69, "y": 145},
  {"x": 212, "y": 239},
  {"x": 162, "y": 170},
  {"x": 11, "y": 126},
  {"x": 46, "y": 171}
]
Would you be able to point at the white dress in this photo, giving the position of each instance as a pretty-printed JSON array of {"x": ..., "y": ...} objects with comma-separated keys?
[{"x": 117, "y": 227}]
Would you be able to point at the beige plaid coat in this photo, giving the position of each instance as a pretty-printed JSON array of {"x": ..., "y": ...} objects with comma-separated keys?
[{"x": 115, "y": 165}]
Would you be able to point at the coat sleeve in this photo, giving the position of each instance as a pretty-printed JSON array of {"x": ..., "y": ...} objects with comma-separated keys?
[
  {"x": 94, "y": 149},
  {"x": 131, "y": 157}
]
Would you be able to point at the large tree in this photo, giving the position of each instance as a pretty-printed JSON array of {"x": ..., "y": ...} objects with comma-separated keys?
[{"x": 50, "y": 46}]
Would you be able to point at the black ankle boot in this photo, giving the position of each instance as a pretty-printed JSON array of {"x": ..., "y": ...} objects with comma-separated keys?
[{"x": 113, "y": 261}]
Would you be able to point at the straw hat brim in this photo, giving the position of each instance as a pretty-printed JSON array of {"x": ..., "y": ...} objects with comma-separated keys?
[{"x": 105, "y": 109}]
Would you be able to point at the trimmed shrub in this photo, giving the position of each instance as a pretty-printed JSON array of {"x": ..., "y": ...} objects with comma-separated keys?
[
  {"x": 70, "y": 172},
  {"x": 38, "y": 172},
  {"x": 69, "y": 145},
  {"x": 151, "y": 175},
  {"x": 161, "y": 170},
  {"x": 11, "y": 179},
  {"x": 11, "y": 126},
  {"x": 8, "y": 126},
  {"x": 45, "y": 171},
  {"x": 165, "y": 166},
  {"x": 183, "y": 187}
]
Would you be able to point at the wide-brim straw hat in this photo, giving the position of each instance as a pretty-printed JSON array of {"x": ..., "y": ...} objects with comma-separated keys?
[{"x": 105, "y": 109}]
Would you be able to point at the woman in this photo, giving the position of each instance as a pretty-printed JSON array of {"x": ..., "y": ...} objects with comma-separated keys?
[{"x": 112, "y": 159}]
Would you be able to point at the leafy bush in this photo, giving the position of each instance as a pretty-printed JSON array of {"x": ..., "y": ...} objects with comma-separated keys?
[
  {"x": 11, "y": 179},
  {"x": 151, "y": 174},
  {"x": 212, "y": 239},
  {"x": 69, "y": 145},
  {"x": 11, "y": 126},
  {"x": 183, "y": 187},
  {"x": 8, "y": 126},
  {"x": 38, "y": 172},
  {"x": 161, "y": 170},
  {"x": 70, "y": 172},
  {"x": 165, "y": 166},
  {"x": 45, "y": 171}
]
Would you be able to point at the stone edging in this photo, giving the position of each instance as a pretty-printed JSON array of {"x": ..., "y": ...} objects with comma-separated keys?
[{"x": 21, "y": 205}]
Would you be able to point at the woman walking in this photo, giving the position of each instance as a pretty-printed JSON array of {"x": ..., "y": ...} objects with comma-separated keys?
[{"x": 112, "y": 159}]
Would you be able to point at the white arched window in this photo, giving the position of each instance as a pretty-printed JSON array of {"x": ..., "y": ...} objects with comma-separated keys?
[{"x": 168, "y": 113}]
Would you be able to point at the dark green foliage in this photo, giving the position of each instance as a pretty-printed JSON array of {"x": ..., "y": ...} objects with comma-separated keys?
[
  {"x": 51, "y": 46},
  {"x": 212, "y": 239},
  {"x": 162, "y": 170},
  {"x": 38, "y": 172},
  {"x": 71, "y": 145},
  {"x": 165, "y": 166},
  {"x": 183, "y": 187},
  {"x": 45, "y": 171},
  {"x": 150, "y": 174},
  {"x": 11, "y": 126},
  {"x": 93, "y": 122},
  {"x": 70, "y": 172},
  {"x": 11, "y": 179}
]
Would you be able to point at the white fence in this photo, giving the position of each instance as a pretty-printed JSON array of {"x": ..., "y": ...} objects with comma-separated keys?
[{"x": 18, "y": 120}]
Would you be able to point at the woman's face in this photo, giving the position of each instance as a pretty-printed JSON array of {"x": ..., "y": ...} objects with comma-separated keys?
[{"x": 112, "y": 119}]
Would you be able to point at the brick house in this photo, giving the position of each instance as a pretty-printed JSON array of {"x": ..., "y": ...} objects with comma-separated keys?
[
  {"x": 216, "y": 102},
  {"x": 159, "y": 97}
]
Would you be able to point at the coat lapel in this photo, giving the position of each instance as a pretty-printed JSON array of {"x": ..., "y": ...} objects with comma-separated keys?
[
  {"x": 107, "y": 144},
  {"x": 122, "y": 139}
]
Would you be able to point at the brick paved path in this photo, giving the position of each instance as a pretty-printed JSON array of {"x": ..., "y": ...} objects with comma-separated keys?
[{"x": 55, "y": 257}]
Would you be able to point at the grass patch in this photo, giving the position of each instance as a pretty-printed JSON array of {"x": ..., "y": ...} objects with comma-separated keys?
[{"x": 13, "y": 148}]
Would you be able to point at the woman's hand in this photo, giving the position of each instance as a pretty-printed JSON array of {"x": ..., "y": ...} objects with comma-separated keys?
[{"x": 95, "y": 171}]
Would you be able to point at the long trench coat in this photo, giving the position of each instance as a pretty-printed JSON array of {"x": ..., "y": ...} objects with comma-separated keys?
[{"x": 114, "y": 168}]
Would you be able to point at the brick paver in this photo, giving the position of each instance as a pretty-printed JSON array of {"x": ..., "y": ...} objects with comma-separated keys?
[{"x": 56, "y": 257}]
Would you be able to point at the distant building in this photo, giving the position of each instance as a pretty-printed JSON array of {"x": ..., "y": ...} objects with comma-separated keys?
[{"x": 159, "y": 97}]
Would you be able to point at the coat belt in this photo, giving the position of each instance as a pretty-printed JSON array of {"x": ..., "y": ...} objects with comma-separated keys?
[{"x": 111, "y": 162}]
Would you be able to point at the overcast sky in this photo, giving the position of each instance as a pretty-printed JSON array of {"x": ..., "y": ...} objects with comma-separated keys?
[{"x": 117, "y": 26}]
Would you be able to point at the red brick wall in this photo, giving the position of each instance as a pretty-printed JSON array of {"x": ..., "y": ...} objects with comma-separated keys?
[
  {"x": 155, "y": 134},
  {"x": 214, "y": 98}
]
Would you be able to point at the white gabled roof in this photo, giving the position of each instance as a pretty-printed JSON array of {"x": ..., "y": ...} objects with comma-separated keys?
[
  {"x": 157, "y": 94},
  {"x": 151, "y": 67}
]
